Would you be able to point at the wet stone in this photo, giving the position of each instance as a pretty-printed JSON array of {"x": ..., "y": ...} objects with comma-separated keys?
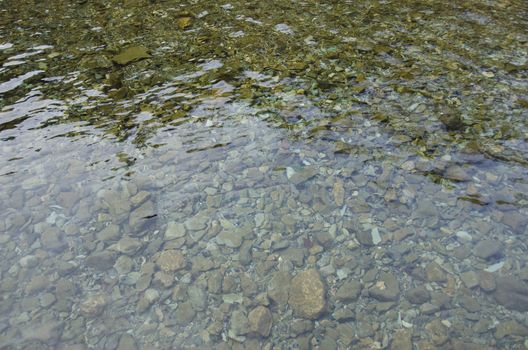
[
  {"x": 402, "y": 340},
  {"x": 131, "y": 54},
  {"x": 260, "y": 321},
  {"x": 307, "y": 295},
  {"x": 239, "y": 324},
  {"x": 418, "y": 295},
  {"x": 128, "y": 245},
  {"x": 101, "y": 260},
  {"x": 229, "y": 238},
  {"x": 486, "y": 281},
  {"x": 512, "y": 293},
  {"x": 386, "y": 288},
  {"x": 184, "y": 314},
  {"x": 488, "y": 249},
  {"x": 437, "y": 332},
  {"x": 127, "y": 342},
  {"x": 175, "y": 230},
  {"x": 510, "y": 328},
  {"x": 93, "y": 305},
  {"x": 435, "y": 273},
  {"x": 349, "y": 291},
  {"x": 53, "y": 239},
  {"x": 170, "y": 260},
  {"x": 470, "y": 279},
  {"x": 279, "y": 287}
]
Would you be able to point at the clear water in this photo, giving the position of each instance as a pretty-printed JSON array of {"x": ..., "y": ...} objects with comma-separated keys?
[{"x": 275, "y": 175}]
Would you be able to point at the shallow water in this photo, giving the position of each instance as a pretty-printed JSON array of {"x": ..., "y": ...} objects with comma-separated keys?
[{"x": 276, "y": 175}]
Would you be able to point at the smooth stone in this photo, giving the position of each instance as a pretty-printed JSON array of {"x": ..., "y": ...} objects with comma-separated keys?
[
  {"x": 184, "y": 314},
  {"x": 53, "y": 239},
  {"x": 402, "y": 340},
  {"x": 387, "y": 288},
  {"x": 239, "y": 324},
  {"x": 343, "y": 314},
  {"x": 418, "y": 295},
  {"x": 93, "y": 305},
  {"x": 109, "y": 233},
  {"x": 101, "y": 260},
  {"x": 47, "y": 299},
  {"x": 279, "y": 287},
  {"x": 307, "y": 295},
  {"x": 260, "y": 321},
  {"x": 488, "y": 249},
  {"x": 435, "y": 273},
  {"x": 229, "y": 238},
  {"x": 142, "y": 216},
  {"x": 303, "y": 174},
  {"x": 487, "y": 281},
  {"x": 470, "y": 279},
  {"x": 197, "y": 222},
  {"x": 170, "y": 260},
  {"x": 510, "y": 328},
  {"x": 28, "y": 261},
  {"x": 512, "y": 293},
  {"x": 349, "y": 291},
  {"x": 201, "y": 263},
  {"x": 131, "y": 54},
  {"x": 127, "y": 342},
  {"x": 174, "y": 230},
  {"x": 128, "y": 245}
]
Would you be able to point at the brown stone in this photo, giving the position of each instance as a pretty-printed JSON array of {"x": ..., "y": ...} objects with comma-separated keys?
[
  {"x": 260, "y": 321},
  {"x": 307, "y": 295}
]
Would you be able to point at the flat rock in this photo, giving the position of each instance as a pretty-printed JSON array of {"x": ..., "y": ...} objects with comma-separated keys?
[
  {"x": 488, "y": 249},
  {"x": 418, "y": 295},
  {"x": 127, "y": 342},
  {"x": 307, "y": 295},
  {"x": 131, "y": 54},
  {"x": 510, "y": 328},
  {"x": 402, "y": 340},
  {"x": 512, "y": 293},
  {"x": 128, "y": 245},
  {"x": 142, "y": 216},
  {"x": 229, "y": 238},
  {"x": 170, "y": 260},
  {"x": 435, "y": 273},
  {"x": 279, "y": 287},
  {"x": 101, "y": 260},
  {"x": 174, "y": 230},
  {"x": 387, "y": 288},
  {"x": 260, "y": 321},
  {"x": 349, "y": 291}
]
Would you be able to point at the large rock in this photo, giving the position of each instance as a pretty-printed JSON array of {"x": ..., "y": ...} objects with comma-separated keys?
[
  {"x": 260, "y": 321},
  {"x": 512, "y": 293},
  {"x": 307, "y": 295}
]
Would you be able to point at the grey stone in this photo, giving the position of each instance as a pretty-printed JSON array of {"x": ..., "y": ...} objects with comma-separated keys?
[
  {"x": 128, "y": 245},
  {"x": 401, "y": 340},
  {"x": 229, "y": 238},
  {"x": 184, "y": 314},
  {"x": 387, "y": 288},
  {"x": 53, "y": 239},
  {"x": 101, "y": 260},
  {"x": 510, "y": 328},
  {"x": 239, "y": 324},
  {"x": 418, "y": 295},
  {"x": 435, "y": 273},
  {"x": 512, "y": 293},
  {"x": 142, "y": 216},
  {"x": 175, "y": 230},
  {"x": 127, "y": 342},
  {"x": 488, "y": 249},
  {"x": 349, "y": 291},
  {"x": 470, "y": 279}
]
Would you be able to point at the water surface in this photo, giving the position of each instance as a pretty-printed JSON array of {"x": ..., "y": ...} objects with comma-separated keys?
[{"x": 273, "y": 174}]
